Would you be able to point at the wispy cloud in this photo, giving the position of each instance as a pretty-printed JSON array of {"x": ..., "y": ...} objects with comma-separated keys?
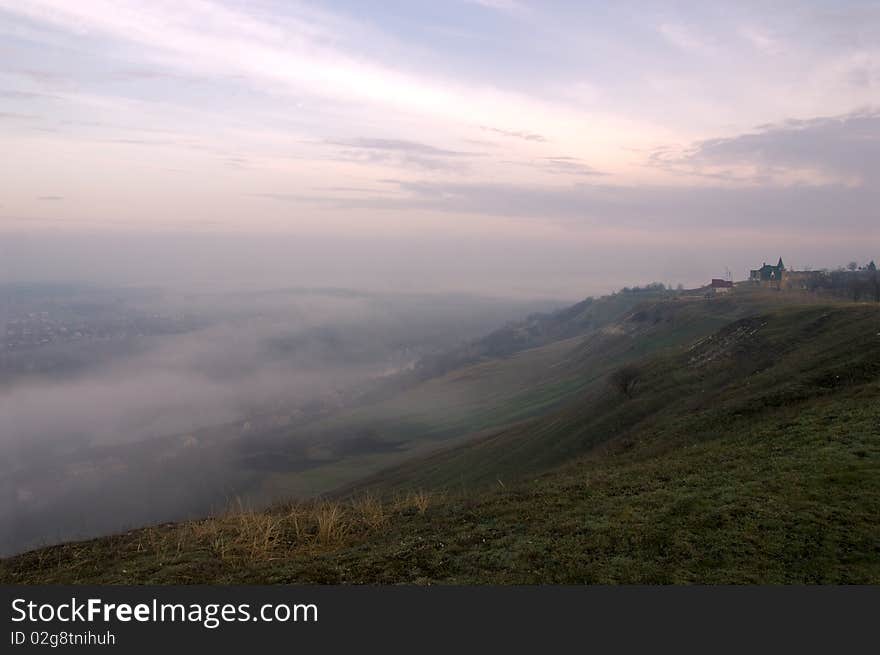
[
  {"x": 841, "y": 149},
  {"x": 684, "y": 38},
  {"x": 501, "y": 5},
  {"x": 17, "y": 116},
  {"x": 400, "y": 145},
  {"x": 649, "y": 209},
  {"x": 516, "y": 134},
  {"x": 294, "y": 55},
  {"x": 23, "y": 95},
  {"x": 401, "y": 153},
  {"x": 43, "y": 77},
  {"x": 568, "y": 166},
  {"x": 762, "y": 40}
]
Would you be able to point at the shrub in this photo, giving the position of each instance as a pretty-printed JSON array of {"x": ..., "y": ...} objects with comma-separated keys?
[{"x": 626, "y": 379}]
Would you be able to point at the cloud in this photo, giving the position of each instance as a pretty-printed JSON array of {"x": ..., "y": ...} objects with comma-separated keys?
[
  {"x": 17, "y": 116},
  {"x": 303, "y": 52},
  {"x": 44, "y": 77},
  {"x": 23, "y": 95},
  {"x": 499, "y": 5},
  {"x": 568, "y": 166},
  {"x": 50, "y": 198},
  {"x": 516, "y": 134},
  {"x": 348, "y": 189},
  {"x": 762, "y": 40},
  {"x": 843, "y": 149},
  {"x": 685, "y": 38},
  {"x": 650, "y": 210},
  {"x": 287, "y": 197},
  {"x": 141, "y": 74},
  {"x": 402, "y": 153},
  {"x": 399, "y": 145},
  {"x": 275, "y": 82},
  {"x": 813, "y": 175}
]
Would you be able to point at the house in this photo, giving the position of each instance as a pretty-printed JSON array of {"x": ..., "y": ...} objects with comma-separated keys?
[
  {"x": 768, "y": 273},
  {"x": 721, "y": 286}
]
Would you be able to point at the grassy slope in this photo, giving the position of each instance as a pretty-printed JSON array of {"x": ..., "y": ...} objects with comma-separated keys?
[
  {"x": 659, "y": 334},
  {"x": 483, "y": 397},
  {"x": 750, "y": 456}
]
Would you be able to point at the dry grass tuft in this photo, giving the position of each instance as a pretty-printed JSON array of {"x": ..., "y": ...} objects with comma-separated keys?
[
  {"x": 421, "y": 499},
  {"x": 418, "y": 500},
  {"x": 370, "y": 510},
  {"x": 297, "y": 519},
  {"x": 243, "y": 535},
  {"x": 331, "y": 522},
  {"x": 257, "y": 534}
]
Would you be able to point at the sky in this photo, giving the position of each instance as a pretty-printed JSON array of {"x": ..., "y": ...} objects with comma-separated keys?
[{"x": 513, "y": 147}]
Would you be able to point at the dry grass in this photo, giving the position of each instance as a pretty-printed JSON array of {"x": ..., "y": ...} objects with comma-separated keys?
[
  {"x": 419, "y": 500},
  {"x": 297, "y": 520},
  {"x": 244, "y": 535},
  {"x": 241, "y": 537},
  {"x": 332, "y": 523},
  {"x": 370, "y": 510}
]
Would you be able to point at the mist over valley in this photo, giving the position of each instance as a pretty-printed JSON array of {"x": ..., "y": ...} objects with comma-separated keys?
[{"x": 125, "y": 406}]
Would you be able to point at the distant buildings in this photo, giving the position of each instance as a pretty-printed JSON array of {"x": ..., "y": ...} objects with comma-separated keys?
[
  {"x": 721, "y": 286},
  {"x": 857, "y": 282},
  {"x": 768, "y": 273},
  {"x": 780, "y": 277}
]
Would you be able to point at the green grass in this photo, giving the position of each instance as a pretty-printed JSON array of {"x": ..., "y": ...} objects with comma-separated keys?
[{"x": 749, "y": 453}]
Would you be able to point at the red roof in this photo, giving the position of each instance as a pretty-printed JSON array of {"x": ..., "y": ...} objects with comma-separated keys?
[{"x": 723, "y": 284}]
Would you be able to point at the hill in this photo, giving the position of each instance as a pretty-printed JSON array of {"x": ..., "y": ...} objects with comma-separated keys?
[
  {"x": 566, "y": 353},
  {"x": 681, "y": 440}
]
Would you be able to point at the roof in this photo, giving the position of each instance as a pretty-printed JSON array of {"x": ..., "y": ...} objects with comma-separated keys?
[{"x": 717, "y": 283}]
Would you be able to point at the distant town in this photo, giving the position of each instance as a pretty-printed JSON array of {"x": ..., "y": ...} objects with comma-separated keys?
[{"x": 35, "y": 329}]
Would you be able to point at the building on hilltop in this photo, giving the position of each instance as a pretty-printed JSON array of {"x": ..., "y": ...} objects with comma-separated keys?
[
  {"x": 721, "y": 286},
  {"x": 860, "y": 283},
  {"x": 768, "y": 273}
]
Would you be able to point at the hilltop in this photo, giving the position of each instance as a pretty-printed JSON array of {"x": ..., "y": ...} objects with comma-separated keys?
[{"x": 643, "y": 437}]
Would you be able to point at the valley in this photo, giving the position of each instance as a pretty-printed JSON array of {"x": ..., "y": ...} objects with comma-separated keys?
[{"x": 746, "y": 448}]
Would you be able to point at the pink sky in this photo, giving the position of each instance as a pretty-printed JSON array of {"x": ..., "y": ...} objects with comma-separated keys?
[{"x": 509, "y": 147}]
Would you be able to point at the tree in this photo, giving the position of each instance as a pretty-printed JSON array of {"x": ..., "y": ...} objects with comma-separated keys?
[
  {"x": 852, "y": 266},
  {"x": 626, "y": 379}
]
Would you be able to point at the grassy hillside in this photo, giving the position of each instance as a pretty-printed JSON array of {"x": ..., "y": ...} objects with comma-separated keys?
[
  {"x": 577, "y": 349},
  {"x": 746, "y": 450}
]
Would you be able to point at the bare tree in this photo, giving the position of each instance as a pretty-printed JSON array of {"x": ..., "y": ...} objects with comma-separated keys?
[
  {"x": 852, "y": 266},
  {"x": 626, "y": 379}
]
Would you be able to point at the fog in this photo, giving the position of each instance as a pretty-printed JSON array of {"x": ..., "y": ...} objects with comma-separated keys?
[
  {"x": 154, "y": 412},
  {"x": 507, "y": 258}
]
